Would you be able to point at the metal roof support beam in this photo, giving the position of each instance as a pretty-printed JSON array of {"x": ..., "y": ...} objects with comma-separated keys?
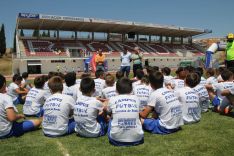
[
  {"x": 92, "y": 36},
  {"x": 57, "y": 34},
  {"x": 149, "y": 38},
  {"x": 123, "y": 37},
  {"x": 108, "y": 37},
  {"x": 137, "y": 37},
  {"x": 161, "y": 39},
  {"x": 75, "y": 35},
  {"x": 181, "y": 40}
]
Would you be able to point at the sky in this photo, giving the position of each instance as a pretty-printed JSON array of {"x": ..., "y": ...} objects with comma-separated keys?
[{"x": 216, "y": 15}]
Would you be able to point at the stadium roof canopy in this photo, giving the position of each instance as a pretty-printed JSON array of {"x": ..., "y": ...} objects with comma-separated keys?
[{"x": 66, "y": 23}]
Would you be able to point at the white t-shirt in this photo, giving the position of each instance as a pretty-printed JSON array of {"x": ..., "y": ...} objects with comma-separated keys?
[
  {"x": 47, "y": 90},
  {"x": 168, "y": 108},
  {"x": 99, "y": 86},
  {"x": 85, "y": 114},
  {"x": 211, "y": 80},
  {"x": 5, "y": 103},
  {"x": 57, "y": 109},
  {"x": 34, "y": 100},
  {"x": 203, "y": 81},
  {"x": 109, "y": 92},
  {"x": 167, "y": 79},
  {"x": 125, "y": 125},
  {"x": 219, "y": 87},
  {"x": 177, "y": 84},
  {"x": 11, "y": 91},
  {"x": 125, "y": 59},
  {"x": 143, "y": 92},
  {"x": 72, "y": 90},
  {"x": 203, "y": 96},
  {"x": 78, "y": 81},
  {"x": 134, "y": 84},
  {"x": 190, "y": 104}
]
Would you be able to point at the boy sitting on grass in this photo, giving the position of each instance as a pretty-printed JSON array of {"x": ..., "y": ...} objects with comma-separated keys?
[
  {"x": 35, "y": 99},
  {"x": 57, "y": 110},
  {"x": 8, "y": 116},
  {"x": 86, "y": 112},
  {"x": 168, "y": 111},
  {"x": 218, "y": 101},
  {"x": 125, "y": 128},
  {"x": 189, "y": 99},
  {"x": 17, "y": 93},
  {"x": 110, "y": 90}
]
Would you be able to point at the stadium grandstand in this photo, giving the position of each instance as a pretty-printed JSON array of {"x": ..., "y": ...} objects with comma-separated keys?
[{"x": 76, "y": 39}]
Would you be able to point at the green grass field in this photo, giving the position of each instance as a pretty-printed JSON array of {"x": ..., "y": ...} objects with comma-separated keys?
[{"x": 213, "y": 135}]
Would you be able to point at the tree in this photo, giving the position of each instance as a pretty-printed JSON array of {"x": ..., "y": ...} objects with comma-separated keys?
[
  {"x": 48, "y": 33},
  {"x": 43, "y": 34},
  {"x": 14, "y": 46},
  {"x": 36, "y": 33},
  {"x": 21, "y": 32},
  {"x": 55, "y": 34},
  {"x": 2, "y": 41}
]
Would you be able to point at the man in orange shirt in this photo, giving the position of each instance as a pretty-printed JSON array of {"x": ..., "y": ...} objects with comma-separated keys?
[{"x": 100, "y": 59}]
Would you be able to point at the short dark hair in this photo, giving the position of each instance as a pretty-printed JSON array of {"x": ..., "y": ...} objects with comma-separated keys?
[
  {"x": 200, "y": 69},
  {"x": 155, "y": 68},
  {"x": 190, "y": 69},
  {"x": 124, "y": 86},
  {"x": 25, "y": 75},
  {"x": 181, "y": 73},
  {"x": 139, "y": 74},
  {"x": 39, "y": 82},
  {"x": 166, "y": 71},
  {"x": 226, "y": 74},
  {"x": 56, "y": 84},
  {"x": 87, "y": 85},
  {"x": 70, "y": 79},
  {"x": 145, "y": 79},
  {"x": 17, "y": 77},
  {"x": 156, "y": 79},
  {"x": 51, "y": 74},
  {"x": 110, "y": 80},
  {"x": 84, "y": 75},
  {"x": 192, "y": 79},
  {"x": 99, "y": 73},
  {"x": 2, "y": 81},
  {"x": 210, "y": 71},
  {"x": 119, "y": 75},
  {"x": 149, "y": 69}
]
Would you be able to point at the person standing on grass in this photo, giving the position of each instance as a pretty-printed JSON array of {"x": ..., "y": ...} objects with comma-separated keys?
[
  {"x": 58, "y": 109},
  {"x": 100, "y": 60},
  {"x": 125, "y": 59},
  {"x": 125, "y": 128},
  {"x": 137, "y": 60},
  {"x": 167, "y": 110},
  {"x": 8, "y": 116},
  {"x": 89, "y": 122}
]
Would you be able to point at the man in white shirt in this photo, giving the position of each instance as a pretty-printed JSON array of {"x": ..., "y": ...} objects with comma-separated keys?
[
  {"x": 125, "y": 58},
  {"x": 35, "y": 99},
  {"x": 8, "y": 119},
  {"x": 57, "y": 111},
  {"x": 189, "y": 99},
  {"x": 167, "y": 117},
  {"x": 125, "y": 128},
  {"x": 86, "y": 112}
]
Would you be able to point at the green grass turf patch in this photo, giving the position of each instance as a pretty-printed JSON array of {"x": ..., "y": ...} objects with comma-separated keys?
[{"x": 213, "y": 135}]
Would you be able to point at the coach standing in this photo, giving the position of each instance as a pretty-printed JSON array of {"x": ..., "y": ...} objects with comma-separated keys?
[
  {"x": 137, "y": 60},
  {"x": 100, "y": 59},
  {"x": 125, "y": 62}
]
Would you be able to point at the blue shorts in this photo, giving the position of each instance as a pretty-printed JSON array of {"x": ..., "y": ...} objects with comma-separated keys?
[
  {"x": 38, "y": 115},
  {"x": 118, "y": 143},
  {"x": 153, "y": 126},
  {"x": 103, "y": 124},
  {"x": 216, "y": 101},
  {"x": 70, "y": 130},
  {"x": 19, "y": 128},
  {"x": 125, "y": 69}
]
